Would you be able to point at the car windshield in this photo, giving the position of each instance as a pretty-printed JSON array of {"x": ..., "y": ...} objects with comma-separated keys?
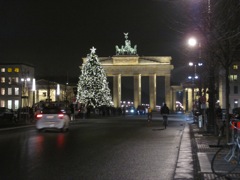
[
  {"x": 141, "y": 107},
  {"x": 51, "y": 110}
]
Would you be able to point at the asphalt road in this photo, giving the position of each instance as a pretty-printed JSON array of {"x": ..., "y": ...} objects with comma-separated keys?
[{"x": 94, "y": 149}]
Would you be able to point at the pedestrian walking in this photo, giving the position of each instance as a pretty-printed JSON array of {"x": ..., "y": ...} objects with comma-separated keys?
[
  {"x": 123, "y": 111},
  {"x": 165, "y": 112},
  {"x": 149, "y": 115},
  {"x": 72, "y": 112},
  {"x": 84, "y": 111}
]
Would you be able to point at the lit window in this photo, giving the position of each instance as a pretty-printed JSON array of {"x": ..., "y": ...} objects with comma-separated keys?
[
  {"x": 2, "y": 103},
  {"x": 2, "y": 79},
  {"x": 235, "y": 66},
  {"x": 233, "y": 77},
  {"x": 9, "y": 104},
  {"x": 2, "y": 69},
  {"x": 9, "y": 91},
  {"x": 9, "y": 69},
  {"x": 16, "y": 70},
  {"x": 16, "y": 79},
  {"x": 16, "y": 104},
  {"x": 2, "y": 91},
  {"x": 16, "y": 91},
  {"x": 9, "y": 80}
]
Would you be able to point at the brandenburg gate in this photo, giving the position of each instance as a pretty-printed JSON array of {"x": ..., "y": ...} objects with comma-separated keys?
[{"x": 126, "y": 62}]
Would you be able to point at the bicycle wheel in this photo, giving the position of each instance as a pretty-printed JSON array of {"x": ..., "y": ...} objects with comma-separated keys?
[{"x": 225, "y": 160}]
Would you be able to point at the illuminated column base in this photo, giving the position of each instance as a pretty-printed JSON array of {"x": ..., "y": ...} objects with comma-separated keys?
[
  {"x": 168, "y": 95},
  {"x": 117, "y": 90},
  {"x": 152, "y": 90},
  {"x": 137, "y": 90}
]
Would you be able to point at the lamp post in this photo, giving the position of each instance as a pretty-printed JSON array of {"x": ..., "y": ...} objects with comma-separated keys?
[
  {"x": 33, "y": 90},
  {"x": 25, "y": 100},
  {"x": 58, "y": 92},
  {"x": 194, "y": 43},
  {"x": 206, "y": 39},
  {"x": 25, "y": 91},
  {"x": 194, "y": 77}
]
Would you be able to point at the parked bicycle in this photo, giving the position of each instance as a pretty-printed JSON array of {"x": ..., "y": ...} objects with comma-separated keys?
[{"x": 227, "y": 159}]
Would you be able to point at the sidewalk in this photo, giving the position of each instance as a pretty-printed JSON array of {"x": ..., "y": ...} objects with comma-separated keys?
[{"x": 195, "y": 154}]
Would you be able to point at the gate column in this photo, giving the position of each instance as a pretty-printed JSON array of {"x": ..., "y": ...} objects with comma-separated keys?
[
  {"x": 152, "y": 90},
  {"x": 168, "y": 95},
  {"x": 174, "y": 91},
  {"x": 137, "y": 90},
  {"x": 117, "y": 90}
]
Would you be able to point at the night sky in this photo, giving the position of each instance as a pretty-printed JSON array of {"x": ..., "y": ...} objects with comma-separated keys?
[{"x": 55, "y": 36}]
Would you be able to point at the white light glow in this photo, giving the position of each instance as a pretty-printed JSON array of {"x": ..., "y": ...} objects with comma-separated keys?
[
  {"x": 34, "y": 85},
  {"x": 192, "y": 41},
  {"x": 58, "y": 89}
]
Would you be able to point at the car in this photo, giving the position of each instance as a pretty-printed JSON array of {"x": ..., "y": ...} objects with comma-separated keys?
[
  {"x": 141, "y": 110},
  {"x": 7, "y": 116},
  {"x": 52, "y": 118},
  {"x": 130, "y": 110}
]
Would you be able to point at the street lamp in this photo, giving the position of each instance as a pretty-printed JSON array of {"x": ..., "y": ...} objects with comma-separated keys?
[
  {"x": 192, "y": 41},
  {"x": 194, "y": 77},
  {"x": 25, "y": 101},
  {"x": 33, "y": 90},
  {"x": 25, "y": 90},
  {"x": 58, "y": 92}
]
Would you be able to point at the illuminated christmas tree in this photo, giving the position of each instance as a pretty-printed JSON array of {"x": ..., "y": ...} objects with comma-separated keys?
[{"x": 93, "y": 87}]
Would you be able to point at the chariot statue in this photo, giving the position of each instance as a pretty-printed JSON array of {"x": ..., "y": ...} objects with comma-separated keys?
[{"x": 127, "y": 49}]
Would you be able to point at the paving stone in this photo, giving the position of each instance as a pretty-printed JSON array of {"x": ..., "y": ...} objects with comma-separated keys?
[
  {"x": 195, "y": 155},
  {"x": 183, "y": 176}
]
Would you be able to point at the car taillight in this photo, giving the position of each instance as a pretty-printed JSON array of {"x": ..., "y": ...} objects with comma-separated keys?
[
  {"x": 39, "y": 116},
  {"x": 60, "y": 116}
]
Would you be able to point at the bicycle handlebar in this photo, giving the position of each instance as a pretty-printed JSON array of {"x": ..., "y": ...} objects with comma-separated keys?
[{"x": 235, "y": 124}]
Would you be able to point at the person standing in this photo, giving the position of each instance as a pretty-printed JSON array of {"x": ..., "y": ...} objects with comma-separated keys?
[
  {"x": 123, "y": 111},
  {"x": 84, "y": 111},
  {"x": 165, "y": 112}
]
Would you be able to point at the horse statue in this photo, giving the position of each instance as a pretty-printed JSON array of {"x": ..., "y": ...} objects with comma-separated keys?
[
  {"x": 127, "y": 49},
  {"x": 134, "y": 50},
  {"x": 118, "y": 50}
]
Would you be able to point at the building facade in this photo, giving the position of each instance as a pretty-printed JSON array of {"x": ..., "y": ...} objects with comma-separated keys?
[
  {"x": 19, "y": 89},
  {"x": 49, "y": 91},
  {"x": 234, "y": 85},
  {"x": 15, "y": 85}
]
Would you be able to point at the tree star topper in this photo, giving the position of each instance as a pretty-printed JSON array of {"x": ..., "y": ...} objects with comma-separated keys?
[{"x": 93, "y": 50}]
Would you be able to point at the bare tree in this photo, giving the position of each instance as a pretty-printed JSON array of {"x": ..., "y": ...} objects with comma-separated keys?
[
  {"x": 226, "y": 38},
  {"x": 216, "y": 23}
]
